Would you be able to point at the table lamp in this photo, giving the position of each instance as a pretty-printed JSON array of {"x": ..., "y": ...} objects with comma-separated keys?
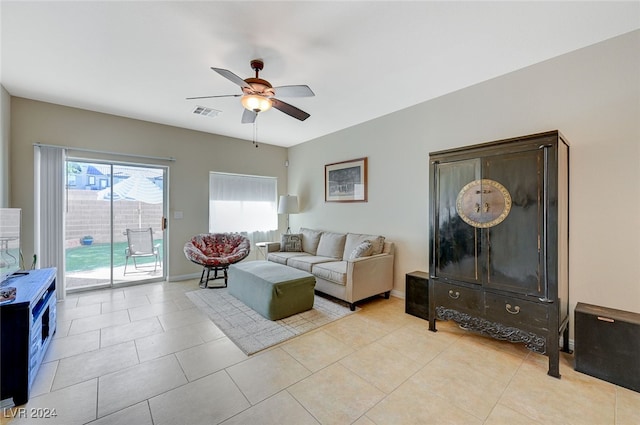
[{"x": 288, "y": 205}]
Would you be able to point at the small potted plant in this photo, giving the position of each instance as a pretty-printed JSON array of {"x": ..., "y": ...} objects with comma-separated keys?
[{"x": 86, "y": 240}]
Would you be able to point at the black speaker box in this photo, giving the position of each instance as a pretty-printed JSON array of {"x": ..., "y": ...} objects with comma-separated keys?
[
  {"x": 607, "y": 344},
  {"x": 417, "y": 294}
]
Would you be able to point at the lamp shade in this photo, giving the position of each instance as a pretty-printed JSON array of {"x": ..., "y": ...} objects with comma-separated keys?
[{"x": 288, "y": 204}]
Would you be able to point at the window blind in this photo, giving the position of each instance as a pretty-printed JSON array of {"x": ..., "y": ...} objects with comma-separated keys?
[{"x": 242, "y": 203}]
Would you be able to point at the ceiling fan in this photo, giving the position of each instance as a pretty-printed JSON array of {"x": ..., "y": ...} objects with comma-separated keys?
[{"x": 259, "y": 95}]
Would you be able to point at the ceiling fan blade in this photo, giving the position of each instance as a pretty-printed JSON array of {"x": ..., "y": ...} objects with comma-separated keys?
[
  {"x": 210, "y": 97},
  {"x": 248, "y": 117},
  {"x": 289, "y": 109},
  {"x": 231, "y": 77},
  {"x": 294, "y": 91}
]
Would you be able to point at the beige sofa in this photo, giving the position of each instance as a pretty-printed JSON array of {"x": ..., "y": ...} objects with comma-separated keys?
[{"x": 348, "y": 266}]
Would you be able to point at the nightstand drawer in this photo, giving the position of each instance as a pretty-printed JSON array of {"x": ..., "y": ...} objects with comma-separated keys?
[
  {"x": 456, "y": 297},
  {"x": 516, "y": 312}
]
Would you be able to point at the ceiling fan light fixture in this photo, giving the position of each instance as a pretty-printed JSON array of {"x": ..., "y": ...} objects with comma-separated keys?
[{"x": 256, "y": 103}]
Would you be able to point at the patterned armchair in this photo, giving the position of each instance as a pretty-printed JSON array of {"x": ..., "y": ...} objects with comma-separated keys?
[{"x": 216, "y": 251}]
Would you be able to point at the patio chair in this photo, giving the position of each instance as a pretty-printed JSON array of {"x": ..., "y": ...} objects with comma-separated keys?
[
  {"x": 216, "y": 251},
  {"x": 140, "y": 244}
]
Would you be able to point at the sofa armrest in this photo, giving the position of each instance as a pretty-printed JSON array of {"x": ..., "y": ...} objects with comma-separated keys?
[
  {"x": 273, "y": 246},
  {"x": 363, "y": 261},
  {"x": 369, "y": 276}
]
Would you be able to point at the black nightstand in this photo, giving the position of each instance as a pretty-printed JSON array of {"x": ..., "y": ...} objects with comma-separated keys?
[
  {"x": 417, "y": 294},
  {"x": 607, "y": 344}
]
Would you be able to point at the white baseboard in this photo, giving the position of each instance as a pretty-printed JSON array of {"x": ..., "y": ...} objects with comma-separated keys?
[
  {"x": 572, "y": 345},
  {"x": 183, "y": 277},
  {"x": 398, "y": 294}
]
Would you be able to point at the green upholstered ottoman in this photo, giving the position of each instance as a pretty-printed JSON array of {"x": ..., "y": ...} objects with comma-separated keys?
[{"x": 273, "y": 290}]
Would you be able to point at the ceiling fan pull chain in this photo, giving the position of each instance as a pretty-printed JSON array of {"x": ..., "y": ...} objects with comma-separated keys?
[{"x": 255, "y": 132}]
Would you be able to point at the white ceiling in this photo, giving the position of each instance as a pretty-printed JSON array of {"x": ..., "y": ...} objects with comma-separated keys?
[{"x": 363, "y": 59}]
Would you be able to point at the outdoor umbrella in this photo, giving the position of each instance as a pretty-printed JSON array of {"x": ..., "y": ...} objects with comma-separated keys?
[{"x": 135, "y": 188}]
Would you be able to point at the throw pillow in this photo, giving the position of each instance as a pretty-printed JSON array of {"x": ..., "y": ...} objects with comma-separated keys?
[
  {"x": 355, "y": 239},
  {"x": 378, "y": 245},
  {"x": 362, "y": 250},
  {"x": 291, "y": 242}
]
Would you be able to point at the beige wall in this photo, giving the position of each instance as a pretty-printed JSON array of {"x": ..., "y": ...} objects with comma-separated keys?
[
  {"x": 591, "y": 95},
  {"x": 196, "y": 154}
]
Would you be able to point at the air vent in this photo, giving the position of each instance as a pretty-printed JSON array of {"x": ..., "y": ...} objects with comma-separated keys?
[{"x": 207, "y": 112}]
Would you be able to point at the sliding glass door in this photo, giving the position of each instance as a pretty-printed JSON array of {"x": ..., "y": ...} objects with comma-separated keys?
[{"x": 114, "y": 224}]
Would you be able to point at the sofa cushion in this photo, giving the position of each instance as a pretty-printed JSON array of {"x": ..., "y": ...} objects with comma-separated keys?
[
  {"x": 355, "y": 239},
  {"x": 334, "y": 271},
  {"x": 283, "y": 257},
  {"x": 307, "y": 262},
  {"x": 291, "y": 242},
  {"x": 362, "y": 250},
  {"x": 310, "y": 240},
  {"x": 331, "y": 245}
]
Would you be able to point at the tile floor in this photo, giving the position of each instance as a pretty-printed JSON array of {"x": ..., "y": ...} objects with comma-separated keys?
[{"x": 145, "y": 355}]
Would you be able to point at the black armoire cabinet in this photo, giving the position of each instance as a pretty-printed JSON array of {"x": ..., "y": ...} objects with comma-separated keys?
[{"x": 499, "y": 219}]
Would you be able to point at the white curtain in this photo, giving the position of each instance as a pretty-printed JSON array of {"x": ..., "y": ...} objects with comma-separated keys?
[{"x": 49, "y": 204}]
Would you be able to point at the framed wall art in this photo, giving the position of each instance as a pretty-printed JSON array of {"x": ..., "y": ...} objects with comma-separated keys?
[{"x": 346, "y": 181}]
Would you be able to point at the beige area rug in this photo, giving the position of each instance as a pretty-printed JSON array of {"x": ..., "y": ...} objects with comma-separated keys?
[{"x": 250, "y": 331}]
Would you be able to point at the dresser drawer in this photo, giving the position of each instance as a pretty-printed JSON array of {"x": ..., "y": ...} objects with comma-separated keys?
[
  {"x": 516, "y": 312},
  {"x": 456, "y": 297}
]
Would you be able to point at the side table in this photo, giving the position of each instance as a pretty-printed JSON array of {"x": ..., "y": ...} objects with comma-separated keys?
[
  {"x": 263, "y": 248},
  {"x": 417, "y": 294}
]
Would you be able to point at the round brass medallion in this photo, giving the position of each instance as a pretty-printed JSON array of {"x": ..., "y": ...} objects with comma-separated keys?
[{"x": 483, "y": 203}]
